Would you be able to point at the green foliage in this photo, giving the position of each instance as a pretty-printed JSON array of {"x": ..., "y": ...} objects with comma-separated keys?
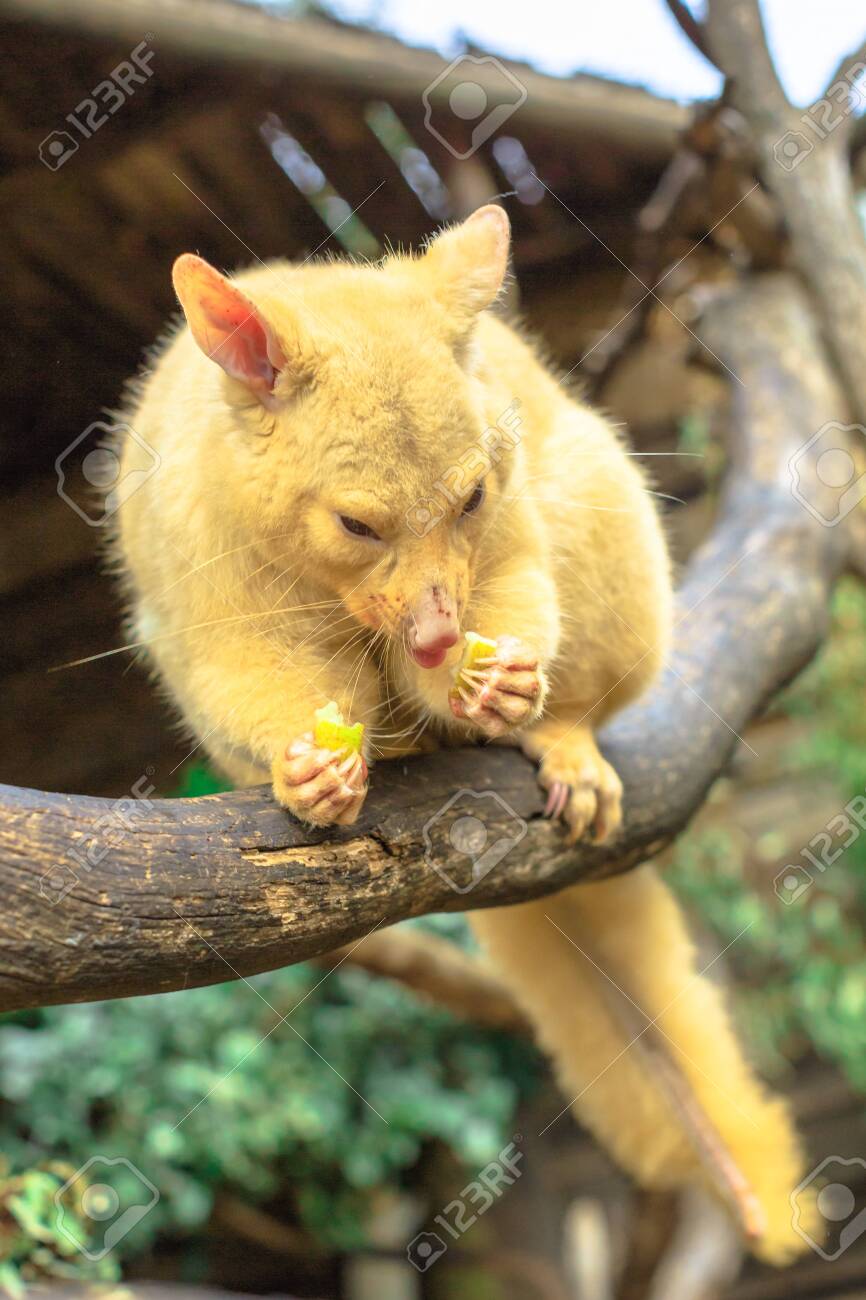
[
  {"x": 695, "y": 438},
  {"x": 197, "y": 779},
  {"x": 801, "y": 965},
  {"x": 34, "y": 1247},
  {"x": 211, "y": 1089},
  {"x": 830, "y": 694}
]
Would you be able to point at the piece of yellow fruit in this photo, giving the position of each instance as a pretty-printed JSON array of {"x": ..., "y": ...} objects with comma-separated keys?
[
  {"x": 330, "y": 730},
  {"x": 475, "y": 647}
]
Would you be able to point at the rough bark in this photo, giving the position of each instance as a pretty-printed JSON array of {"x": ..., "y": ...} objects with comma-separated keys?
[
  {"x": 814, "y": 187},
  {"x": 172, "y": 894}
]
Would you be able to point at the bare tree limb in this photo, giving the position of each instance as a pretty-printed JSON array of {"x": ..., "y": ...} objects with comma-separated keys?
[
  {"x": 804, "y": 162},
  {"x": 692, "y": 28},
  {"x": 104, "y": 900},
  {"x": 739, "y": 45},
  {"x": 438, "y": 970},
  {"x": 849, "y": 69}
]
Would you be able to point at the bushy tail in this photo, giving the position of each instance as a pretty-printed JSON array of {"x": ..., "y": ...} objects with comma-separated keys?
[{"x": 644, "y": 1046}]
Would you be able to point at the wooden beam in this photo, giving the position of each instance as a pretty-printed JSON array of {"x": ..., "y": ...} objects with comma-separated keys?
[{"x": 368, "y": 63}]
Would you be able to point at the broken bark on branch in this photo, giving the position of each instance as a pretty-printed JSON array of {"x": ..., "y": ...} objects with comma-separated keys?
[{"x": 105, "y": 901}]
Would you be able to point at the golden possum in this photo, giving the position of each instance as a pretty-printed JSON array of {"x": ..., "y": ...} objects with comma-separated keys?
[{"x": 313, "y": 423}]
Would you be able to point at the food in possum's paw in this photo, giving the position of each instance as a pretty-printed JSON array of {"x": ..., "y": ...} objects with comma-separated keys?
[
  {"x": 477, "y": 650},
  {"x": 499, "y": 685},
  {"x": 321, "y": 786},
  {"x": 331, "y": 731}
]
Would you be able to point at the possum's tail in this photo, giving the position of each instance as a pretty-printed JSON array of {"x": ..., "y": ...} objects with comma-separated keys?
[{"x": 644, "y": 1047}]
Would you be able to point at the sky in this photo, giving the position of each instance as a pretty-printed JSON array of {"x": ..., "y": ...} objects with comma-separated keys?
[{"x": 631, "y": 40}]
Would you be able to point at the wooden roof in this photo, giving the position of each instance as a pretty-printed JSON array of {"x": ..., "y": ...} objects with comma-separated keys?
[{"x": 192, "y": 160}]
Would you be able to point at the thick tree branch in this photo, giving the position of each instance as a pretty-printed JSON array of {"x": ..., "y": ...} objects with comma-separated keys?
[
  {"x": 692, "y": 28},
  {"x": 101, "y": 901},
  {"x": 850, "y": 68},
  {"x": 439, "y": 971},
  {"x": 804, "y": 162}
]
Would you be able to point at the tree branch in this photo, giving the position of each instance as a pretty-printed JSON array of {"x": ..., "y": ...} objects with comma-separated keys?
[
  {"x": 106, "y": 900},
  {"x": 439, "y": 971},
  {"x": 850, "y": 67},
  {"x": 804, "y": 163},
  {"x": 692, "y": 28},
  {"x": 736, "y": 36}
]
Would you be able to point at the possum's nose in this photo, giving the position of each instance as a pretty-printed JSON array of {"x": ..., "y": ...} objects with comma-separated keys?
[{"x": 434, "y": 628}]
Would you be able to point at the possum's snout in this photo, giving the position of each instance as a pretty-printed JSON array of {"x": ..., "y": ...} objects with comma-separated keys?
[{"x": 433, "y": 628}]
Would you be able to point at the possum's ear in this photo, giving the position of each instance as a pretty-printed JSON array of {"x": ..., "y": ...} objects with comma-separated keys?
[
  {"x": 227, "y": 326},
  {"x": 467, "y": 264}
]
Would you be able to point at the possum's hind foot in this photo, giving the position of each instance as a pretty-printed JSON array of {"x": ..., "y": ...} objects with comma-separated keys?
[{"x": 583, "y": 789}]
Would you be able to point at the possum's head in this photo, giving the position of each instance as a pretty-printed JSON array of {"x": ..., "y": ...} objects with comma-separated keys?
[{"x": 360, "y": 417}]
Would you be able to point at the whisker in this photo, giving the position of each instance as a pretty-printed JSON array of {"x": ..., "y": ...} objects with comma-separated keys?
[
  {"x": 272, "y": 560},
  {"x": 181, "y": 631},
  {"x": 235, "y": 550}
]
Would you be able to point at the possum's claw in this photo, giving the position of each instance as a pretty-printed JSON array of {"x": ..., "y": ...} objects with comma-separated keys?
[{"x": 586, "y": 795}]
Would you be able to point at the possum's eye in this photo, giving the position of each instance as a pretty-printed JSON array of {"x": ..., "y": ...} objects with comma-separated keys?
[
  {"x": 358, "y": 529},
  {"x": 474, "y": 502}
]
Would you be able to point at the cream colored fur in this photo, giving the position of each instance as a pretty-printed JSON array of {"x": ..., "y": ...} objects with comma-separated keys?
[{"x": 352, "y": 390}]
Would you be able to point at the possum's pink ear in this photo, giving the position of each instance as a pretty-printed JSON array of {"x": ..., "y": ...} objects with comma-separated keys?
[
  {"x": 468, "y": 263},
  {"x": 227, "y": 326}
]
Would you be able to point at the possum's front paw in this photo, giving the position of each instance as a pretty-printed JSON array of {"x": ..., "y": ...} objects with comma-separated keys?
[
  {"x": 503, "y": 692},
  {"x": 319, "y": 786}
]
